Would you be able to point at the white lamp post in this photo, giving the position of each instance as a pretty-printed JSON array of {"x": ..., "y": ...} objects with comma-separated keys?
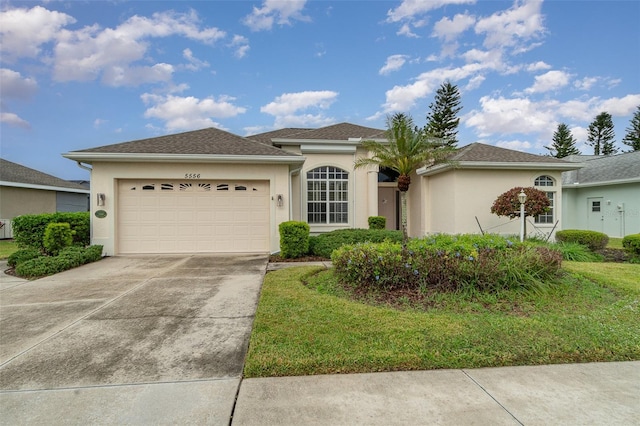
[{"x": 522, "y": 197}]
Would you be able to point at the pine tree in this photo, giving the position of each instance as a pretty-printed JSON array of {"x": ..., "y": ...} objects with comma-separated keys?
[
  {"x": 600, "y": 135},
  {"x": 442, "y": 120},
  {"x": 632, "y": 138},
  {"x": 564, "y": 143}
]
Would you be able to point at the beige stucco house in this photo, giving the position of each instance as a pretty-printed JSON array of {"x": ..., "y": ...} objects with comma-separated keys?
[
  {"x": 24, "y": 190},
  {"x": 213, "y": 191}
]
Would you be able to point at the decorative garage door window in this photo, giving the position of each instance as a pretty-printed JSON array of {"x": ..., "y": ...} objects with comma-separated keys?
[
  {"x": 327, "y": 195},
  {"x": 191, "y": 187}
]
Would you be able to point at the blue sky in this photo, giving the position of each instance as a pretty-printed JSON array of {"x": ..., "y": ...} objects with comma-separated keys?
[{"x": 80, "y": 74}]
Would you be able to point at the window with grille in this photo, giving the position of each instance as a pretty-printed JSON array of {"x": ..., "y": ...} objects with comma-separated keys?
[
  {"x": 327, "y": 195},
  {"x": 546, "y": 181}
]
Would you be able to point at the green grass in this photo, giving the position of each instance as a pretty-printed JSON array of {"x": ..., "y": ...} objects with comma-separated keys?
[
  {"x": 7, "y": 247},
  {"x": 615, "y": 243},
  {"x": 300, "y": 330}
]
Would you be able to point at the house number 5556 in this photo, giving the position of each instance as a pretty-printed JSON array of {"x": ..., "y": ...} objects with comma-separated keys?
[{"x": 192, "y": 175}]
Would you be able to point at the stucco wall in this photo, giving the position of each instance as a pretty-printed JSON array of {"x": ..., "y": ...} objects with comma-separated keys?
[
  {"x": 613, "y": 220},
  {"x": 456, "y": 197},
  {"x": 105, "y": 176},
  {"x": 17, "y": 201}
]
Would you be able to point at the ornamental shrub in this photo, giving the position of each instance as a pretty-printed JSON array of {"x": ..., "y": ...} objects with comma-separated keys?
[
  {"x": 294, "y": 239},
  {"x": 324, "y": 244},
  {"x": 28, "y": 230},
  {"x": 507, "y": 204},
  {"x": 377, "y": 222},
  {"x": 446, "y": 263},
  {"x": 592, "y": 239},
  {"x": 56, "y": 237},
  {"x": 68, "y": 258},
  {"x": 22, "y": 255},
  {"x": 631, "y": 243}
]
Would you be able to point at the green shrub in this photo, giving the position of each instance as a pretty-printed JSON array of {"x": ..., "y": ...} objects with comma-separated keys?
[
  {"x": 324, "y": 244},
  {"x": 56, "y": 237},
  {"x": 68, "y": 258},
  {"x": 22, "y": 255},
  {"x": 448, "y": 263},
  {"x": 377, "y": 222},
  {"x": 592, "y": 239},
  {"x": 28, "y": 230},
  {"x": 631, "y": 243},
  {"x": 294, "y": 239},
  {"x": 570, "y": 251}
]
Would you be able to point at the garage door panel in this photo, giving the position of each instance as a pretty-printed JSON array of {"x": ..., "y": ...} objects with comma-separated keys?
[{"x": 184, "y": 217}]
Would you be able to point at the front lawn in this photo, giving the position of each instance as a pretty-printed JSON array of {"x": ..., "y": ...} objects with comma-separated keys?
[
  {"x": 7, "y": 248},
  {"x": 317, "y": 329}
]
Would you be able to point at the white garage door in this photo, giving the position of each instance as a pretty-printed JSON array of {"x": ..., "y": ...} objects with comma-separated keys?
[{"x": 193, "y": 216}]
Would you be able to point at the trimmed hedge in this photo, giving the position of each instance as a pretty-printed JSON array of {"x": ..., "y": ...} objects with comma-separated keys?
[
  {"x": 592, "y": 239},
  {"x": 294, "y": 239},
  {"x": 29, "y": 229},
  {"x": 447, "y": 263},
  {"x": 22, "y": 255},
  {"x": 632, "y": 243},
  {"x": 56, "y": 237},
  {"x": 68, "y": 258},
  {"x": 377, "y": 222},
  {"x": 324, "y": 244}
]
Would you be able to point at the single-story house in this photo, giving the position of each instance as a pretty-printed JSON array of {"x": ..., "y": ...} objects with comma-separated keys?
[
  {"x": 604, "y": 195},
  {"x": 212, "y": 191},
  {"x": 27, "y": 191}
]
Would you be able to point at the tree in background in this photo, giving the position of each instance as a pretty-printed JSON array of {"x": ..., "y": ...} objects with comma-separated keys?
[
  {"x": 632, "y": 138},
  {"x": 442, "y": 120},
  {"x": 600, "y": 135},
  {"x": 564, "y": 143},
  {"x": 407, "y": 149}
]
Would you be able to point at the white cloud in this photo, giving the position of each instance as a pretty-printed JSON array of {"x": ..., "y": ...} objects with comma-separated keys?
[
  {"x": 289, "y": 103},
  {"x": 450, "y": 29},
  {"x": 474, "y": 82},
  {"x": 515, "y": 144},
  {"x": 280, "y": 12},
  {"x": 512, "y": 27},
  {"x": 13, "y": 85},
  {"x": 90, "y": 52},
  {"x": 289, "y": 108},
  {"x": 620, "y": 106},
  {"x": 13, "y": 120},
  {"x": 24, "y": 31},
  {"x": 405, "y": 30},
  {"x": 551, "y": 80},
  {"x": 393, "y": 63},
  {"x": 194, "y": 64},
  {"x": 187, "y": 113},
  {"x": 241, "y": 45},
  {"x": 98, "y": 122},
  {"x": 538, "y": 66},
  {"x": 409, "y": 9},
  {"x": 506, "y": 116}
]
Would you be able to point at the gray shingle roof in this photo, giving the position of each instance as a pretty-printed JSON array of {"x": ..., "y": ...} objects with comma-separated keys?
[
  {"x": 604, "y": 169},
  {"x": 16, "y": 173},
  {"x": 282, "y": 133},
  {"x": 480, "y": 152},
  {"x": 336, "y": 132},
  {"x": 209, "y": 141}
]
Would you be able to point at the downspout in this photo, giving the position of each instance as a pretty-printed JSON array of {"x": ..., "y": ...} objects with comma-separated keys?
[{"x": 82, "y": 166}]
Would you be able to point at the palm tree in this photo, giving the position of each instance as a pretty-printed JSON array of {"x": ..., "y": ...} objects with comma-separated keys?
[{"x": 407, "y": 149}]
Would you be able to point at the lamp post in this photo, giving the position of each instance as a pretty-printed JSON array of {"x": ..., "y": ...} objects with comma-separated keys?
[{"x": 522, "y": 197}]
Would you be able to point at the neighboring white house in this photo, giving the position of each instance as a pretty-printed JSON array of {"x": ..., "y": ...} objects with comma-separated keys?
[
  {"x": 27, "y": 191},
  {"x": 213, "y": 191},
  {"x": 604, "y": 195}
]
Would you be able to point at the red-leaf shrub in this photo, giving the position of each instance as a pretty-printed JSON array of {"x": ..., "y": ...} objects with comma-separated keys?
[{"x": 507, "y": 204}]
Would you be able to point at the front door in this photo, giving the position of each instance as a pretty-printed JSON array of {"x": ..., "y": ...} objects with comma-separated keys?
[
  {"x": 595, "y": 214},
  {"x": 388, "y": 205}
]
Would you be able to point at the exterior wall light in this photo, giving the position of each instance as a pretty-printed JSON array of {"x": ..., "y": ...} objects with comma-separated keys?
[{"x": 100, "y": 198}]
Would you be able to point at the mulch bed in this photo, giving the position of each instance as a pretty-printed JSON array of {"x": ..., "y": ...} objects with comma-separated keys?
[{"x": 277, "y": 259}]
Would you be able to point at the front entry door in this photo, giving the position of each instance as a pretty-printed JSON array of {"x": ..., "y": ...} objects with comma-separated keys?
[
  {"x": 388, "y": 206},
  {"x": 595, "y": 214}
]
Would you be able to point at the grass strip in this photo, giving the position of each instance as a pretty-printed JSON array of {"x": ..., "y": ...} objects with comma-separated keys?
[{"x": 303, "y": 331}]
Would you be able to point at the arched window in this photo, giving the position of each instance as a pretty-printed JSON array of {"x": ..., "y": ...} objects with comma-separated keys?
[
  {"x": 327, "y": 195},
  {"x": 542, "y": 183}
]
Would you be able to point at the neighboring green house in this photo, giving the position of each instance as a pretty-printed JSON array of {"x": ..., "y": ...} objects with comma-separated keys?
[
  {"x": 604, "y": 195},
  {"x": 28, "y": 191}
]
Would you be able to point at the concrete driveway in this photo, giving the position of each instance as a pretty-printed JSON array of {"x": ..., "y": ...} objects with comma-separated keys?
[{"x": 144, "y": 339}]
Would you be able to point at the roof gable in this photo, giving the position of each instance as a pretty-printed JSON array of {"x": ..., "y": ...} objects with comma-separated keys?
[
  {"x": 479, "y": 152},
  {"x": 19, "y": 174},
  {"x": 276, "y": 134},
  {"x": 208, "y": 141}
]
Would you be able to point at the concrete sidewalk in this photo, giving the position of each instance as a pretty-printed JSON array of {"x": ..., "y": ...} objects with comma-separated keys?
[{"x": 578, "y": 394}]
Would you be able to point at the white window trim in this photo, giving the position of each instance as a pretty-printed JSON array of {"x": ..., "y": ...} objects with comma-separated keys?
[{"x": 328, "y": 226}]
